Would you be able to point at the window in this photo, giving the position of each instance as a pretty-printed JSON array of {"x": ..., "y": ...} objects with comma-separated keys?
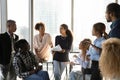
[
  {"x": 118, "y": 1},
  {"x": 86, "y": 13},
  {"x": 18, "y": 11},
  {"x": 53, "y": 13}
]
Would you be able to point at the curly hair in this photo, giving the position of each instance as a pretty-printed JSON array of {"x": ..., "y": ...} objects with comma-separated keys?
[
  {"x": 39, "y": 25},
  {"x": 110, "y": 58}
]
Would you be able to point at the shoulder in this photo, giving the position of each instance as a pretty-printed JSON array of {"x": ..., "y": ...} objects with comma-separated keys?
[
  {"x": 16, "y": 37},
  {"x": 31, "y": 52},
  {"x": 47, "y": 34},
  {"x": 4, "y": 35},
  {"x": 58, "y": 36},
  {"x": 36, "y": 36}
]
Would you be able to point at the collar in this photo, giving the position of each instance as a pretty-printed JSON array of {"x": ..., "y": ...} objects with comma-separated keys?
[
  {"x": 114, "y": 23},
  {"x": 8, "y": 33}
]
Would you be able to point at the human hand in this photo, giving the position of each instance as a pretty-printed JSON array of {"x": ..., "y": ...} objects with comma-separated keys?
[
  {"x": 87, "y": 58},
  {"x": 72, "y": 63},
  {"x": 62, "y": 51},
  {"x": 75, "y": 56},
  {"x": 38, "y": 68}
]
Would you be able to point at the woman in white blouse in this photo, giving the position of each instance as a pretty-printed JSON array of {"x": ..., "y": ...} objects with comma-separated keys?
[
  {"x": 42, "y": 43},
  {"x": 81, "y": 59}
]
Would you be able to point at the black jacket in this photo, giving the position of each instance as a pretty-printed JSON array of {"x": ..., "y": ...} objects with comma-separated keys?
[{"x": 6, "y": 48}]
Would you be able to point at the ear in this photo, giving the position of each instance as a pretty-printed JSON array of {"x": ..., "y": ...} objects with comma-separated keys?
[{"x": 111, "y": 14}]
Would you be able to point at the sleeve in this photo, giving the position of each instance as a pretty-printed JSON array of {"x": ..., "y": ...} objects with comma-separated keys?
[
  {"x": 50, "y": 40},
  {"x": 89, "y": 51},
  {"x": 34, "y": 58},
  {"x": 85, "y": 64},
  {"x": 78, "y": 61},
  {"x": 35, "y": 46},
  {"x": 17, "y": 65}
]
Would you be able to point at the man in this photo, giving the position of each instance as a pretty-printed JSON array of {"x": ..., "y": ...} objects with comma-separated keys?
[
  {"x": 7, "y": 40},
  {"x": 113, "y": 15}
]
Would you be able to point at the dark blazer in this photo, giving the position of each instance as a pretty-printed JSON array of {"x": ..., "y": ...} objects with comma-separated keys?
[{"x": 6, "y": 48}]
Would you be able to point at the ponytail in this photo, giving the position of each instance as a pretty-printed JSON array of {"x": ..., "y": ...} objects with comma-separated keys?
[
  {"x": 100, "y": 27},
  {"x": 105, "y": 35},
  {"x": 68, "y": 32}
]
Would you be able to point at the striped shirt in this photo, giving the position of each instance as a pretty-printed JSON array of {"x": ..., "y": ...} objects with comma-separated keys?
[{"x": 24, "y": 62}]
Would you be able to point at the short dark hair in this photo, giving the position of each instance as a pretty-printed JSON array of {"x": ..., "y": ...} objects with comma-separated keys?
[
  {"x": 10, "y": 22},
  {"x": 20, "y": 44},
  {"x": 38, "y": 25},
  {"x": 114, "y": 8}
]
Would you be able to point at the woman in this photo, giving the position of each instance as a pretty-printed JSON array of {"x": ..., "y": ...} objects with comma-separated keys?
[
  {"x": 110, "y": 59},
  {"x": 95, "y": 50},
  {"x": 81, "y": 60},
  {"x": 42, "y": 43},
  {"x": 60, "y": 58}
]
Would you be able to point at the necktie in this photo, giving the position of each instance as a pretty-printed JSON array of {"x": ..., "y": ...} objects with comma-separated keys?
[{"x": 12, "y": 43}]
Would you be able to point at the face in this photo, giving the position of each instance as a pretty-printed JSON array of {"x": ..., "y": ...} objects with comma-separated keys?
[
  {"x": 42, "y": 30},
  {"x": 108, "y": 17},
  {"x": 12, "y": 27},
  {"x": 62, "y": 30},
  {"x": 93, "y": 32}
]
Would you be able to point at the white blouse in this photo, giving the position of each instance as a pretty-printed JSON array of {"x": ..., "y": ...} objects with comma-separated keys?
[
  {"x": 39, "y": 42},
  {"x": 84, "y": 64}
]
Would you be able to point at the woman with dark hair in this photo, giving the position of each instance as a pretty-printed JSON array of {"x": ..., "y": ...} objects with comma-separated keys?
[
  {"x": 25, "y": 63},
  {"x": 42, "y": 43},
  {"x": 61, "y": 58}
]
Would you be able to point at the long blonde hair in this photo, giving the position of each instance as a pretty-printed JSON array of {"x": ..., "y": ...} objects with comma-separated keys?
[{"x": 110, "y": 58}]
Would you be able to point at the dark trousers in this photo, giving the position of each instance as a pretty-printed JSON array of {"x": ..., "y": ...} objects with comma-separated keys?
[
  {"x": 86, "y": 71},
  {"x": 95, "y": 71}
]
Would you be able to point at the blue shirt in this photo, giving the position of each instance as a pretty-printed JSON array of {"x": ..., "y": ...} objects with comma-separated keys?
[
  {"x": 115, "y": 29},
  {"x": 94, "y": 54}
]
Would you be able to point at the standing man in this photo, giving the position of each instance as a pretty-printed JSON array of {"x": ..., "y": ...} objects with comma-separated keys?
[
  {"x": 113, "y": 15},
  {"x": 7, "y": 41}
]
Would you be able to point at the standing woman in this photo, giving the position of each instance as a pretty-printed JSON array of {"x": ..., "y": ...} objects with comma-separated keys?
[
  {"x": 95, "y": 50},
  {"x": 60, "y": 58},
  {"x": 42, "y": 43}
]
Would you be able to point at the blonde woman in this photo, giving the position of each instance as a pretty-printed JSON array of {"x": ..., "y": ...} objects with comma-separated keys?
[
  {"x": 110, "y": 59},
  {"x": 82, "y": 60}
]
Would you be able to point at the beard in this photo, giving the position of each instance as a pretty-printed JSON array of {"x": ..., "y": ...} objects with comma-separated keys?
[{"x": 108, "y": 19}]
